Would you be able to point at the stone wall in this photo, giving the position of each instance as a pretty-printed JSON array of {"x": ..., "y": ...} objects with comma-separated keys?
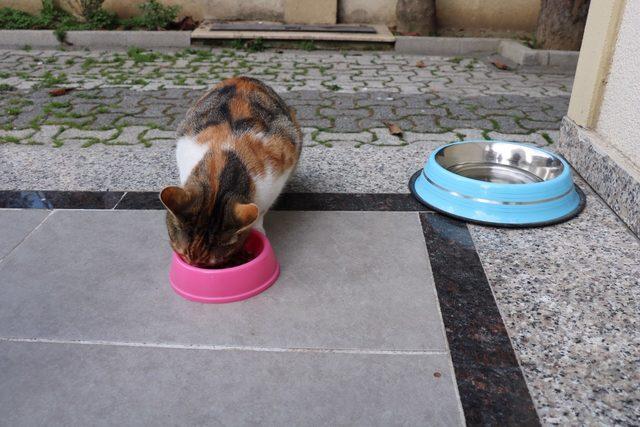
[
  {"x": 459, "y": 17},
  {"x": 619, "y": 119}
]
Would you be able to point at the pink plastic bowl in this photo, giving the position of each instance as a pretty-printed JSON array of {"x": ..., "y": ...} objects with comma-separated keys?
[{"x": 228, "y": 284}]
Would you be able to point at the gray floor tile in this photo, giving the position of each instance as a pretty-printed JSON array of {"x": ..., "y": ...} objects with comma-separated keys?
[
  {"x": 71, "y": 384},
  {"x": 15, "y": 225},
  {"x": 103, "y": 275}
]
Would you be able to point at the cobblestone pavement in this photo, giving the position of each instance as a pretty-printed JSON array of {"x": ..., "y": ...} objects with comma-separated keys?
[
  {"x": 126, "y": 105},
  {"x": 139, "y": 97}
]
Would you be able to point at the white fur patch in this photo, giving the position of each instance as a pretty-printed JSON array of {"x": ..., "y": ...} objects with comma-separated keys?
[
  {"x": 268, "y": 188},
  {"x": 188, "y": 154}
]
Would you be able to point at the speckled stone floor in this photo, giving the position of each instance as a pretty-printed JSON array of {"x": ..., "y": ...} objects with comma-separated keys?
[
  {"x": 568, "y": 294},
  {"x": 570, "y": 297}
]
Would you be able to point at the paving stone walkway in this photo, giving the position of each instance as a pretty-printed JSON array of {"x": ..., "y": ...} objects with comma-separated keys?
[
  {"x": 348, "y": 92},
  {"x": 126, "y": 105}
]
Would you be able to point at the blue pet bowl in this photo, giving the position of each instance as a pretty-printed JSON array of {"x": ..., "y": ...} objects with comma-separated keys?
[{"x": 498, "y": 183}]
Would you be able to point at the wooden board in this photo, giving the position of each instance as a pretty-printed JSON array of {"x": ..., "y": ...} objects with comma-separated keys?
[
  {"x": 381, "y": 35},
  {"x": 337, "y": 28}
]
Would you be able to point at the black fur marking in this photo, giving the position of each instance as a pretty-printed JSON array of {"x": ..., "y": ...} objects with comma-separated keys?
[
  {"x": 214, "y": 108},
  {"x": 234, "y": 186},
  {"x": 244, "y": 125},
  {"x": 280, "y": 104},
  {"x": 263, "y": 111}
]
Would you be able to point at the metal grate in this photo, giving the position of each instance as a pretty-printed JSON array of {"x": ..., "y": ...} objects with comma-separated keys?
[{"x": 230, "y": 26}]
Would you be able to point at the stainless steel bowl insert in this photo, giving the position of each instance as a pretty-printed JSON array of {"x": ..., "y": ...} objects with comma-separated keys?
[{"x": 499, "y": 162}]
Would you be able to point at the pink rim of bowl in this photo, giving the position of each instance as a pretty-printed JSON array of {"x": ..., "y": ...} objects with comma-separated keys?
[{"x": 228, "y": 284}]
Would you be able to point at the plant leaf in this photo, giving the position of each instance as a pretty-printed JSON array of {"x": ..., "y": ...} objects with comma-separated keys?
[
  {"x": 61, "y": 91},
  {"x": 500, "y": 65},
  {"x": 394, "y": 129}
]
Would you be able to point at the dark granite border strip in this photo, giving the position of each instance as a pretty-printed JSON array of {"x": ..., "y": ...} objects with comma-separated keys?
[
  {"x": 348, "y": 202},
  {"x": 492, "y": 387},
  {"x": 149, "y": 200},
  {"x": 60, "y": 199}
]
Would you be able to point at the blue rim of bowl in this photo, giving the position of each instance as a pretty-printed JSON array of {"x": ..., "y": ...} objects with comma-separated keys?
[
  {"x": 563, "y": 218},
  {"x": 572, "y": 214},
  {"x": 566, "y": 172}
]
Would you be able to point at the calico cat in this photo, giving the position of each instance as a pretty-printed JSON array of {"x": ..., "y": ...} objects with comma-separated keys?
[{"x": 237, "y": 147}]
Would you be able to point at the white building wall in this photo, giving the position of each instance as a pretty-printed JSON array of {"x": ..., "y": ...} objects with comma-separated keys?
[{"x": 619, "y": 119}]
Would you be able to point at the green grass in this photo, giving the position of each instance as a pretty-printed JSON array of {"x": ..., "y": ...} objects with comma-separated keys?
[
  {"x": 9, "y": 139},
  {"x": 117, "y": 79},
  {"x": 35, "y": 122},
  {"x": 180, "y": 80},
  {"x": 531, "y": 41},
  {"x": 88, "y": 63},
  {"x": 456, "y": 59},
  {"x": 255, "y": 45},
  {"x": 202, "y": 55},
  {"x": 307, "y": 45},
  {"x": 6, "y": 88},
  {"x": 14, "y": 111},
  {"x": 237, "y": 44},
  {"x": 153, "y": 16},
  {"x": 138, "y": 55},
  {"x": 547, "y": 138},
  {"x": 51, "y": 80},
  {"x": 59, "y": 104}
]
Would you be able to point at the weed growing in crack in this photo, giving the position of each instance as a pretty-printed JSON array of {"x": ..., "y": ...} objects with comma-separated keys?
[
  {"x": 139, "y": 55},
  {"x": 547, "y": 138}
]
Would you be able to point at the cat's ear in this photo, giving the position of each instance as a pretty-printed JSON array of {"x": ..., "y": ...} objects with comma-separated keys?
[
  {"x": 245, "y": 214},
  {"x": 176, "y": 200}
]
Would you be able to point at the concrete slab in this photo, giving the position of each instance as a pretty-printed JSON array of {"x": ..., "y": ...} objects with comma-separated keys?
[
  {"x": 103, "y": 275},
  {"x": 34, "y": 38},
  {"x": 518, "y": 53},
  {"x": 96, "y": 39},
  {"x": 144, "y": 39},
  {"x": 449, "y": 46},
  {"x": 70, "y": 384},
  {"x": 524, "y": 55},
  {"x": 563, "y": 59},
  {"x": 382, "y": 35},
  {"x": 15, "y": 225}
]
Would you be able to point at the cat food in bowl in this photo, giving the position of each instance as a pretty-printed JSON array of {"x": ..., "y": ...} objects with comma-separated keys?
[{"x": 233, "y": 283}]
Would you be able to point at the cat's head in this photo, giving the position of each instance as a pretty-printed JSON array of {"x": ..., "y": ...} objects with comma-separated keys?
[{"x": 204, "y": 230}]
